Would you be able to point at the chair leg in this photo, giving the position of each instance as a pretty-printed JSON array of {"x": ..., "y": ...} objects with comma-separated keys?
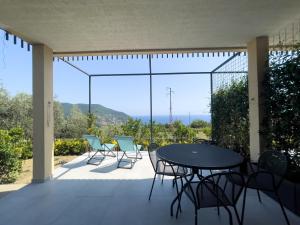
[
  {"x": 258, "y": 195},
  {"x": 162, "y": 179},
  {"x": 179, "y": 199},
  {"x": 230, "y": 216},
  {"x": 244, "y": 203},
  {"x": 282, "y": 208},
  {"x": 120, "y": 160},
  {"x": 152, "y": 186},
  {"x": 91, "y": 158},
  {"x": 112, "y": 153},
  {"x": 196, "y": 216},
  {"x": 139, "y": 157},
  {"x": 237, "y": 215},
  {"x": 181, "y": 182}
]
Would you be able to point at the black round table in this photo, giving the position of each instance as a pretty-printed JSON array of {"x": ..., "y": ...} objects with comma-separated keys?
[{"x": 200, "y": 156}]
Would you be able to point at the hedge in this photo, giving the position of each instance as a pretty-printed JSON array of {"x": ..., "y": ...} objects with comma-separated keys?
[
  {"x": 70, "y": 147},
  {"x": 282, "y": 102},
  {"x": 230, "y": 123},
  {"x": 10, "y": 163}
]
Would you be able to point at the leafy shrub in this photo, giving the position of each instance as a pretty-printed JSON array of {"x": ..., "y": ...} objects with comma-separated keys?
[
  {"x": 207, "y": 131},
  {"x": 10, "y": 163},
  {"x": 19, "y": 141},
  {"x": 199, "y": 124},
  {"x": 230, "y": 124},
  {"x": 70, "y": 147},
  {"x": 282, "y": 107},
  {"x": 282, "y": 102}
]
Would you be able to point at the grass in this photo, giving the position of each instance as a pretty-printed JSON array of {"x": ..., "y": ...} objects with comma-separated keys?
[{"x": 26, "y": 174}]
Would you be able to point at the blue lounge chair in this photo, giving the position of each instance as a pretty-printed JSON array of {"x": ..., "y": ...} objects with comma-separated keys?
[
  {"x": 96, "y": 145},
  {"x": 127, "y": 146}
]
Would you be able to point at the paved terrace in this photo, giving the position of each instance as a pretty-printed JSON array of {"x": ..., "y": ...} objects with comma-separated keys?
[{"x": 83, "y": 194}]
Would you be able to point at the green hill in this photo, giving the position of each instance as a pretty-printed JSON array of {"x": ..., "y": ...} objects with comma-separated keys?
[{"x": 104, "y": 115}]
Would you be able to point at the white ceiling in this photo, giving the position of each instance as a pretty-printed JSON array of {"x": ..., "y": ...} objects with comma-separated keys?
[{"x": 120, "y": 25}]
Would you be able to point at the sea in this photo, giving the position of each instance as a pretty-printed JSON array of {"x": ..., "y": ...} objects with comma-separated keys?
[{"x": 185, "y": 119}]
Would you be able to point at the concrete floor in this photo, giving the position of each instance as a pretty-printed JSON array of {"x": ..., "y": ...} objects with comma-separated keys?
[{"x": 83, "y": 194}]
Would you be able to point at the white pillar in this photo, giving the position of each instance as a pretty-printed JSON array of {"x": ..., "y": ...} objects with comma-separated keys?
[
  {"x": 258, "y": 50},
  {"x": 43, "y": 137}
]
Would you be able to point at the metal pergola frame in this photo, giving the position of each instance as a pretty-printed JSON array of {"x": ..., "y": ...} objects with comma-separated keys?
[{"x": 150, "y": 74}]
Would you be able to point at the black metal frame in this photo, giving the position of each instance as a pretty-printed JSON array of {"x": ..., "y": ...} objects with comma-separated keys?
[
  {"x": 176, "y": 176},
  {"x": 150, "y": 74},
  {"x": 132, "y": 162},
  {"x": 101, "y": 151},
  {"x": 212, "y": 179},
  {"x": 94, "y": 155}
]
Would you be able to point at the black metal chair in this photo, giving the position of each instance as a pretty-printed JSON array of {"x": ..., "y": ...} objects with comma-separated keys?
[
  {"x": 216, "y": 190},
  {"x": 271, "y": 168},
  {"x": 163, "y": 168},
  {"x": 201, "y": 141}
]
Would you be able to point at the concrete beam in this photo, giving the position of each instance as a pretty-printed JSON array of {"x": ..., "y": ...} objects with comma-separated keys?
[
  {"x": 257, "y": 61},
  {"x": 43, "y": 137}
]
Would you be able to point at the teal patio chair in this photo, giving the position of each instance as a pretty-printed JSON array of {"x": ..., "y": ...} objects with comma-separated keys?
[
  {"x": 96, "y": 145},
  {"x": 127, "y": 146}
]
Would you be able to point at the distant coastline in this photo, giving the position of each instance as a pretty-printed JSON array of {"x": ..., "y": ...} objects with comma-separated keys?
[{"x": 185, "y": 119}]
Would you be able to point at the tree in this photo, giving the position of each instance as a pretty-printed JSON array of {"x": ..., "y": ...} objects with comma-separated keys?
[
  {"x": 91, "y": 120},
  {"x": 10, "y": 163},
  {"x": 182, "y": 133},
  {"x": 76, "y": 124},
  {"x": 4, "y": 108},
  {"x": 132, "y": 127},
  {"x": 199, "y": 124},
  {"x": 20, "y": 111},
  {"x": 59, "y": 120}
]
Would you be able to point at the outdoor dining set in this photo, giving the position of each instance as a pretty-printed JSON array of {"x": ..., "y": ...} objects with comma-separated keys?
[{"x": 207, "y": 174}]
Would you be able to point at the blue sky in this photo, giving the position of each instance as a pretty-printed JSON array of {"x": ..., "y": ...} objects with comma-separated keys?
[{"x": 126, "y": 94}]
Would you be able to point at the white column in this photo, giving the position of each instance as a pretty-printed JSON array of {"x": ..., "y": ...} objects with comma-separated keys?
[
  {"x": 43, "y": 137},
  {"x": 257, "y": 60}
]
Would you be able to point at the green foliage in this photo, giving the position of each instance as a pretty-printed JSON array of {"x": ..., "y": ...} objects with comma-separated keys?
[
  {"x": 70, "y": 147},
  {"x": 230, "y": 116},
  {"x": 76, "y": 124},
  {"x": 199, "y": 124},
  {"x": 10, "y": 163},
  {"x": 91, "y": 120},
  {"x": 182, "y": 133},
  {"x": 207, "y": 131},
  {"x": 20, "y": 142},
  {"x": 59, "y": 120},
  {"x": 132, "y": 128},
  {"x": 282, "y": 102},
  {"x": 282, "y": 108}
]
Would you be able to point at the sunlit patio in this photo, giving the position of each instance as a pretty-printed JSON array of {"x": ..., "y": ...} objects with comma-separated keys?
[{"x": 88, "y": 194}]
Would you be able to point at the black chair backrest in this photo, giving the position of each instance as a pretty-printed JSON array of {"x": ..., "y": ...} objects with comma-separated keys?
[
  {"x": 201, "y": 141},
  {"x": 152, "y": 154},
  {"x": 274, "y": 162}
]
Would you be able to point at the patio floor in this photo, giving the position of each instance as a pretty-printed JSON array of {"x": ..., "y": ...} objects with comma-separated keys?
[{"x": 88, "y": 194}]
